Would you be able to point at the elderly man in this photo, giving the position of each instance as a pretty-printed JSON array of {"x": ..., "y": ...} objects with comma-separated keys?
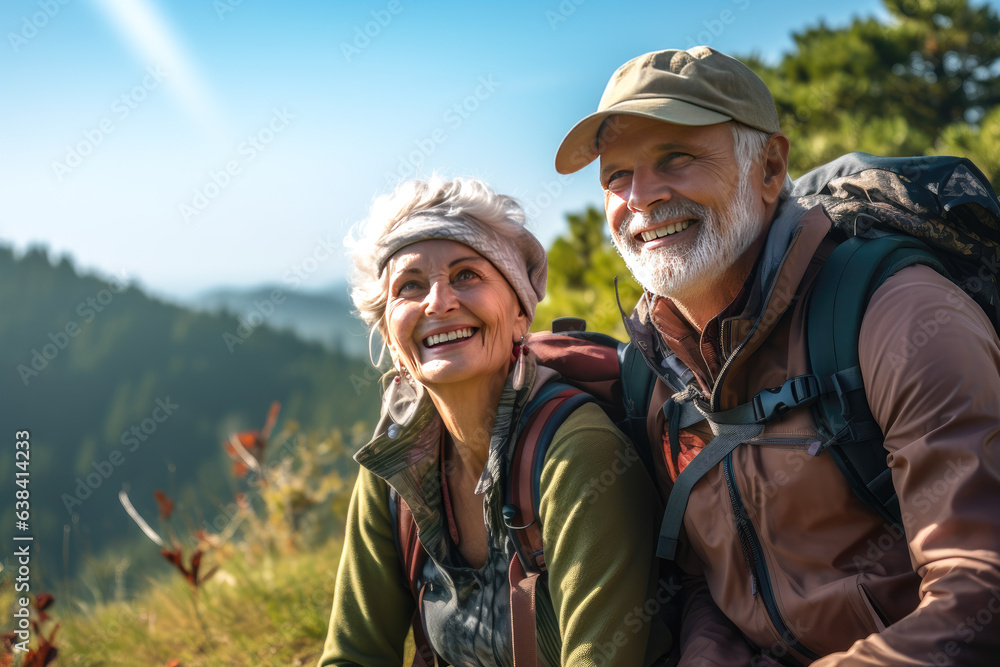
[{"x": 783, "y": 560}]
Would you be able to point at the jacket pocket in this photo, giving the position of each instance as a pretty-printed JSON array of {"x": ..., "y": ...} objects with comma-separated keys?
[{"x": 866, "y": 600}]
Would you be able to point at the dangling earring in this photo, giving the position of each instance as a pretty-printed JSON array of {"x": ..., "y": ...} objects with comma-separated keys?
[
  {"x": 519, "y": 365},
  {"x": 403, "y": 395}
]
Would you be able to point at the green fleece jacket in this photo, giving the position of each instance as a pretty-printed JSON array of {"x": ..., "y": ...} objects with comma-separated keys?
[{"x": 599, "y": 514}]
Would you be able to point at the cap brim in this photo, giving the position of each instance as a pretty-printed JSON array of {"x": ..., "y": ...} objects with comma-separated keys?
[{"x": 579, "y": 147}]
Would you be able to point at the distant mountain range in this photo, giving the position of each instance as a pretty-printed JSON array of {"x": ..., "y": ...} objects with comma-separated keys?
[{"x": 322, "y": 317}]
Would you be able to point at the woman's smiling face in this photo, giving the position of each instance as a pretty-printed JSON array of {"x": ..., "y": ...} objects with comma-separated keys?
[{"x": 451, "y": 316}]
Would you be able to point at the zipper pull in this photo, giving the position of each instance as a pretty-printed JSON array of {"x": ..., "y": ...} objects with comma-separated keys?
[{"x": 753, "y": 585}]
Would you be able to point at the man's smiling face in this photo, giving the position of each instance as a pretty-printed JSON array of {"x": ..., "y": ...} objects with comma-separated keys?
[{"x": 681, "y": 207}]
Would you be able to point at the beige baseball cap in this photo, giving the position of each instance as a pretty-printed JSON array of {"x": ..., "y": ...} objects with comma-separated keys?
[{"x": 699, "y": 86}]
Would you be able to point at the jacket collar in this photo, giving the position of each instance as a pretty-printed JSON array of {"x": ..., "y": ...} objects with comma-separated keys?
[
  {"x": 793, "y": 239},
  {"x": 405, "y": 451}
]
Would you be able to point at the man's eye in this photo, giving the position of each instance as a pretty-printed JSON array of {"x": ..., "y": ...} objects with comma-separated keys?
[
  {"x": 616, "y": 180},
  {"x": 676, "y": 160}
]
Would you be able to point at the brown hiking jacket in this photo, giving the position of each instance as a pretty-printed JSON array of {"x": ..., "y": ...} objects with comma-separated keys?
[{"x": 811, "y": 571}]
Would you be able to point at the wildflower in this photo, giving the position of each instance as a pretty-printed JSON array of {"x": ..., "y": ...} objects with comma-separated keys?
[
  {"x": 164, "y": 503},
  {"x": 42, "y": 602},
  {"x": 46, "y": 651},
  {"x": 247, "y": 447},
  {"x": 190, "y": 573}
]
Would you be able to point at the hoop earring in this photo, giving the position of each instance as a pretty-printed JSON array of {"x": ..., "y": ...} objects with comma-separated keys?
[
  {"x": 519, "y": 370},
  {"x": 381, "y": 354}
]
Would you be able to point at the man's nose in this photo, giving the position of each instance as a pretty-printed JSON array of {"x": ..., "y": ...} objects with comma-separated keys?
[{"x": 647, "y": 192}]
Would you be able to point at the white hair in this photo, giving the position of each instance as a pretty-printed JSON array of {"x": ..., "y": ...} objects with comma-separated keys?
[
  {"x": 726, "y": 232},
  {"x": 458, "y": 197},
  {"x": 749, "y": 144}
]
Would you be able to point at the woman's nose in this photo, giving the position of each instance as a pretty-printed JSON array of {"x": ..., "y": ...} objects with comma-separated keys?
[{"x": 441, "y": 298}]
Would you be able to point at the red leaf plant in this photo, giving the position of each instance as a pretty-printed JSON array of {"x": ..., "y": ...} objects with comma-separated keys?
[
  {"x": 190, "y": 573},
  {"x": 42, "y": 602},
  {"x": 252, "y": 444},
  {"x": 175, "y": 555},
  {"x": 164, "y": 504},
  {"x": 46, "y": 651}
]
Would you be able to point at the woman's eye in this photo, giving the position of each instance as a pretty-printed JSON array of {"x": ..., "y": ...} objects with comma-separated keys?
[
  {"x": 466, "y": 274},
  {"x": 408, "y": 286}
]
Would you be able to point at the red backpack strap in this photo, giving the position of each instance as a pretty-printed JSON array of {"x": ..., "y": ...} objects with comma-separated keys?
[
  {"x": 411, "y": 553},
  {"x": 522, "y": 614},
  {"x": 413, "y": 557},
  {"x": 544, "y": 415}
]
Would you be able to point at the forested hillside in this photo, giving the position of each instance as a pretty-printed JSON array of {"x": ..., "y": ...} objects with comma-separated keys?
[
  {"x": 117, "y": 389},
  {"x": 925, "y": 82}
]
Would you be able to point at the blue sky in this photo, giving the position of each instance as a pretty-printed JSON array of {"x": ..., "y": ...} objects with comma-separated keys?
[{"x": 189, "y": 145}]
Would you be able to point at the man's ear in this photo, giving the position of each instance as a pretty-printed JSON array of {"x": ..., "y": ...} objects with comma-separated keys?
[{"x": 775, "y": 167}]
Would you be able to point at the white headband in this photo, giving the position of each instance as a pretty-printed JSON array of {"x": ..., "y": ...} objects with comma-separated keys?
[{"x": 520, "y": 258}]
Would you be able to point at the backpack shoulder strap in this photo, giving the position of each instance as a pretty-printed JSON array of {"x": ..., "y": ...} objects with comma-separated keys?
[
  {"x": 413, "y": 557},
  {"x": 411, "y": 553},
  {"x": 834, "y": 389},
  {"x": 839, "y": 298},
  {"x": 540, "y": 419},
  {"x": 638, "y": 382}
]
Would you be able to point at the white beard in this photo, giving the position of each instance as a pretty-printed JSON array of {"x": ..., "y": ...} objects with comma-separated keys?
[{"x": 722, "y": 237}]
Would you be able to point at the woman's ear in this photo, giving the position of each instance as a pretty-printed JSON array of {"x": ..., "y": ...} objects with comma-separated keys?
[
  {"x": 521, "y": 326},
  {"x": 393, "y": 353}
]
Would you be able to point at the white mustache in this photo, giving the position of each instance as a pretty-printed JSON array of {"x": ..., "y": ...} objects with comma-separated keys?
[{"x": 635, "y": 222}]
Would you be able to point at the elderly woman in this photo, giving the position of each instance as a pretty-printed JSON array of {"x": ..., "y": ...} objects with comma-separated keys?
[{"x": 450, "y": 277}]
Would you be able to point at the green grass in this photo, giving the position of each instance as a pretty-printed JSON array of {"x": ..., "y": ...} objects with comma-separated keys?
[
  {"x": 257, "y": 611},
  {"x": 267, "y": 604}
]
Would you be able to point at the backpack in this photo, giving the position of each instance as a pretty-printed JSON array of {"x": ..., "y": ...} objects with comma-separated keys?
[
  {"x": 591, "y": 366},
  {"x": 894, "y": 212}
]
